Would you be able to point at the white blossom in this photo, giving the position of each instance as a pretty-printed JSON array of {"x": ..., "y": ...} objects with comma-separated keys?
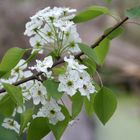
[
  {"x": 38, "y": 93},
  {"x": 69, "y": 82},
  {"x": 11, "y": 124},
  {"x": 52, "y": 111},
  {"x": 87, "y": 89},
  {"x": 33, "y": 26},
  {"x": 53, "y": 28},
  {"x": 73, "y": 64},
  {"x": 43, "y": 66},
  {"x": 26, "y": 89},
  {"x": 19, "y": 72}
]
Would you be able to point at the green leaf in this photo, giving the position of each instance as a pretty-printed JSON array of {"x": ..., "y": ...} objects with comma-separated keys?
[
  {"x": 15, "y": 93},
  {"x": 60, "y": 127},
  {"x": 52, "y": 89},
  {"x": 32, "y": 56},
  {"x": 59, "y": 70},
  {"x": 115, "y": 33},
  {"x": 77, "y": 103},
  {"x": 90, "y": 64},
  {"x": 38, "y": 129},
  {"x": 7, "y": 106},
  {"x": 102, "y": 50},
  {"x": 25, "y": 118},
  {"x": 10, "y": 60},
  {"x": 105, "y": 104},
  {"x": 88, "y": 104},
  {"x": 90, "y": 13},
  {"x": 108, "y": 1},
  {"x": 89, "y": 52},
  {"x": 133, "y": 12}
]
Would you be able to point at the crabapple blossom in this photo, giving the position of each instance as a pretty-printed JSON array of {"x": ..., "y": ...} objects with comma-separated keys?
[
  {"x": 11, "y": 124},
  {"x": 43, "y": 66},
  {"x": 69, "y": 82},
  {"x": 38, "y": 93},
  {"x": 52, "y": 111},
  {"x": 53, "y": 28},
  {"x": 73, "y": 64}
]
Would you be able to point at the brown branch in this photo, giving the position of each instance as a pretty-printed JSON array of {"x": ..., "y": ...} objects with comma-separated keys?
[{"x": 61, "y": 60}]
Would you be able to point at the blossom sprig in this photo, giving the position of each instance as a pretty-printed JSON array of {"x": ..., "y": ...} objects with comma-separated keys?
[
  {"x": 53, "y": 30},
  {"x": 39, "y": 96}
]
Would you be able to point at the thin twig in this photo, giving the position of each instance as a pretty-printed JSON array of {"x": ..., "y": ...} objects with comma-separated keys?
[{"x": 61, "y": 60}]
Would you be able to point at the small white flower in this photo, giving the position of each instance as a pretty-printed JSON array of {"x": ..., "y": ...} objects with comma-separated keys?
[
  {"x": 64, "y": 26},
  {"x": 73, "y": 64},
  {"x": 26, "y": 89},
  {"x": 11, "y": 124},
  {"x": 87, "y": 89},
  {"x": 69, "y": 82},
  {"x": 37, "y": 42},
  {"x": 52, "y": 111},
  {"x": 38, "y": 93},
  {"x": 32, "y": 27},
  {"x": 43, "y": 66},
  {"x": 84, "y": 77},
  {"x": 19, "y": 72}
]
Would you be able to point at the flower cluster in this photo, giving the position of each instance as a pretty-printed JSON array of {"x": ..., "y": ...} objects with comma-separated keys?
[
  {"x": 52, "y": 111},
  {"x": 44, "y": 66},
  {"x": 33, "y": 91},
  {"x": 76, "y": 79},
  {"x": 53, "y": 29}
]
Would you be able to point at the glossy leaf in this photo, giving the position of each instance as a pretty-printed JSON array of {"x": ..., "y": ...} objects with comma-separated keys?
[
  {"x": 77, "y": 103},
  {"x": 115, "y": 33},
  {"x": 102, "y": 50},
  {"x": 133, "y": 12},
  {"x": 10, "y": 60},
  {"x": 25, "y": 118},
  {"x": 90, "y": 13},
  {"x": 52, "y": 89},
  {"x": 89, "y": 52},
  {"x": 38, "y": 129},
  {"x": 105, "y": 104},
  {"x": 90, "y": 64},
  {"x": 7, "y": 106},
  {"x": 59, "y": 70},
  {"x": 88, "y": 104},
  {"x": 15, "y": 93},
  {"x": 32, "y": 56}
]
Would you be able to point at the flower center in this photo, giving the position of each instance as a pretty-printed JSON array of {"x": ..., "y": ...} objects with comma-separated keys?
[
  {"x": 67, "y": 34},
  {"x": 38, "y": 44},
  {"x": 11, "y": 123},
  {"x": 51, "y": 18},
  {"x": 49, "y": 34},
  {"x": 39, "y": 93},
  {"x": 52, "y": 111},
  {"x": 17, "y": 70},
  {"x": 85, "y": 87},
  {"x": 69, "y": 83},
  {"x": 72, "y": 44},
  {"x": 81, "y": 77}
]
